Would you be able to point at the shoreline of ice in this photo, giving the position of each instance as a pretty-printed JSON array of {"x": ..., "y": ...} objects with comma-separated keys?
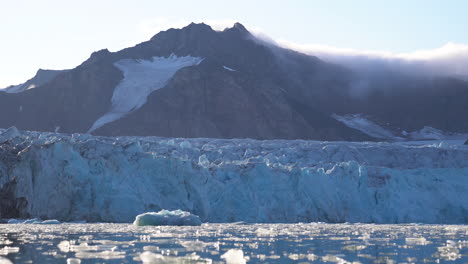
[{"x": 100, "y": 179}]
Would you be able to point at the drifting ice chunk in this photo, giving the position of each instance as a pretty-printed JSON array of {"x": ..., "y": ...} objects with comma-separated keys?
[
  {"x": 234, "y": 256},
  {"x": 165, "y": 217},
  {"x": 5, "y": 261},
  {"x": 154, "y": 258},
  {"x": 49, "y": 222},
  {"x": 35, "y": 221}
]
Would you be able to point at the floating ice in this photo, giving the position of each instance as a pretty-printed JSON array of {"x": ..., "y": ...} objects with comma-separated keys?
[
  {"x": 5, "y": 261},
  {"x": 73, "y": 261},
  {"x": 234, "y": 256},
  {"x": 153, "y": 258},
  {"x": 34, "y": 221},
  {"x": 165, "y": 217}
]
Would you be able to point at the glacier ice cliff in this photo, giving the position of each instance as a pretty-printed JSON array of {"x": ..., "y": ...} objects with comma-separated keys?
[{"x": 82, "y": 177}]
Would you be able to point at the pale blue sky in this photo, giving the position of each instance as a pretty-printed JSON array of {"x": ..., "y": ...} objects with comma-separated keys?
[{"x": 57, "y": 34}]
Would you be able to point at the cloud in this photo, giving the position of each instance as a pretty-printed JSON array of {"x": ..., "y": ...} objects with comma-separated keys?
[{"x": 450, "y": 59}]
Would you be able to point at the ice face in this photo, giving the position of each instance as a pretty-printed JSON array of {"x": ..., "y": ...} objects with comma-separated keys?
[
  {"x": 81, "y": 177},
  {"x": 141, "y": 78}
]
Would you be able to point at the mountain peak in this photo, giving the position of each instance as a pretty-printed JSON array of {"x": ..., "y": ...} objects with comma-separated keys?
[
  {"x": 240, "y": 27},
  {"x": 97, "y": 56},
  {"x": 197, "y": 27}
]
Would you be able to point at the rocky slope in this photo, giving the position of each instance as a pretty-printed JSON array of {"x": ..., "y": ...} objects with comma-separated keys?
[{"x": 236, "y": 87}]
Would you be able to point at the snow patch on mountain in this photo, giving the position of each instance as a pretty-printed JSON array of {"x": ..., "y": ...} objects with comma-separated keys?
[
  {"x": 430, "y": 133},
  {"x": 42, "y": 77},
  {"x": 141, "y": 78},
  {"x": 82, "y": 177},
  {"x": 229, "y": 69},
  {"x": 363, "y": 124},
  {"x": 359, "y": 122}
]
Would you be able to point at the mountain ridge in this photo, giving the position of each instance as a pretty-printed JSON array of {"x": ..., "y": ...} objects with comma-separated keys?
[{"x": 243, "y": 87}]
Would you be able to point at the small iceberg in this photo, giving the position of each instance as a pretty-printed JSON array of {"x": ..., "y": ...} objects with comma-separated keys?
[
  {"x": 165, "y": 217},
  {"x": 34, "y": 221},
  {"x": 234, "y": 256}
]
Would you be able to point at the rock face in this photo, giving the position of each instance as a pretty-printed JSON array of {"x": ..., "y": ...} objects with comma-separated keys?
[
  {"x": 42, "y": 77},
  {"x": 242, "y": 87}
]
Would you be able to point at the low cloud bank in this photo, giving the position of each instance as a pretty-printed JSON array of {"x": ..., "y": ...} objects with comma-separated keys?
[{"x": 450, "y": 59}]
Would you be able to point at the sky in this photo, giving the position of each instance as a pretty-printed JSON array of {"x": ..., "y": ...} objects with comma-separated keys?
[{"x": 57, "y": 34}]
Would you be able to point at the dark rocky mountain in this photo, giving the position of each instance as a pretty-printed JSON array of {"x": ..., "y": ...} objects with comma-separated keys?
[
  {"x": 42, "y": 77},
  {"x": 242, "y": 87}
]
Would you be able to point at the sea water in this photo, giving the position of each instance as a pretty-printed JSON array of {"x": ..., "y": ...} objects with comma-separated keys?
[{"x": 233, "y": 243}]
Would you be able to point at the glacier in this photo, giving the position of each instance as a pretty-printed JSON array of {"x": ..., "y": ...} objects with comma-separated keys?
[
  {"x": 362, "y": 123},
  {"x": 82, "y": 177},
  {"x": 141, "y": 78},
  {"x": 368, "y": 127}
]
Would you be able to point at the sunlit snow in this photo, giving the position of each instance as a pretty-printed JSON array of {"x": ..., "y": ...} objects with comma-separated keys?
[
  {"x": 359, "y": 122},
  {"x": 227, "y": 68},
  {"x": 363, "y": 124},
  {"x": 141, "y": 78}
]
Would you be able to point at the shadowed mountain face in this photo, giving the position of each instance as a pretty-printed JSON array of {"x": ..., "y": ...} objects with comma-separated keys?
[
  {"x": 197, "y": 82},
  {"x": 42, "y": 77}
]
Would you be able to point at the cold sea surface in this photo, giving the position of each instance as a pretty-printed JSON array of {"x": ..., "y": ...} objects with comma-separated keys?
[{"x": 233, "y": 243}]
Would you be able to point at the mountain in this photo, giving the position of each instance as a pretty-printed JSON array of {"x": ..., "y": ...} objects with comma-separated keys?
[
  {"x": 197, "y": 82},
  {"x": 42, "y": 77}
]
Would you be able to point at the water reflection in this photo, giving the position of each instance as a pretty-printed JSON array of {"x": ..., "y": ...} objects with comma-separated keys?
[{"x": 233, "y": 243}]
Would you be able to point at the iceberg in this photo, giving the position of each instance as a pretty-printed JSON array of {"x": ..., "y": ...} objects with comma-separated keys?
[
  {"x": 113, "y": 179},
  {"x": 34, "y": 221},
  {"x": 234, "y": 256},
  {"x": 165, "y": 217}
]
